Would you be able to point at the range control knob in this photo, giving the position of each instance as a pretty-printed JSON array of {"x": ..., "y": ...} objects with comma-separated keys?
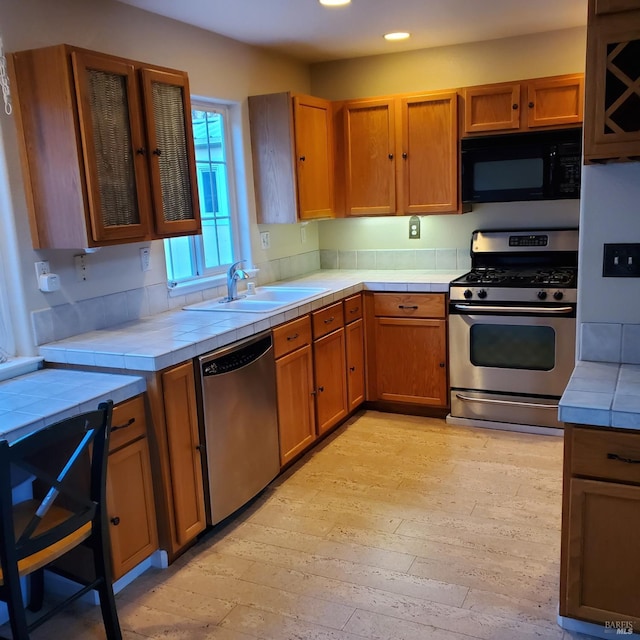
[
  {"x": 558, "y": 295},
  {"x": 468, "y": 294},
  {"x": 542, "y": 295},
  {"x": 482, "y": 294}
]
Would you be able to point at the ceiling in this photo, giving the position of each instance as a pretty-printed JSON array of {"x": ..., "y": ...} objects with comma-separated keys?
[{"x": 310, "y": 32}]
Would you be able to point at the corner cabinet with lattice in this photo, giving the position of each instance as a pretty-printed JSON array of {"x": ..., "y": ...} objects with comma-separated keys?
[
  {"x": 612, "y": 117},
  {"x": 106, "y": 147}
]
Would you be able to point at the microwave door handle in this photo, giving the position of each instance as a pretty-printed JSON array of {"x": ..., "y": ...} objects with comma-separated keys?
[{"x": 553, "y": 158}]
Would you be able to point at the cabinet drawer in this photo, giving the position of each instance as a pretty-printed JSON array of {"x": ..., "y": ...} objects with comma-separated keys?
[
  {"x": 128, "y": 422},
  {"x": 409, "y": 305},
  {"x": 352, "y": 308},
  {"x": 327, "y": 320},
  {"x": 291, "y": 336},
  {"x": 611, "y": 455}
]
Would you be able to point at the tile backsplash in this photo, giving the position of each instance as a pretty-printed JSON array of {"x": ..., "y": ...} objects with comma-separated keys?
[
  {"x": 610, "y": 342},
  {"x": 67, "y": 320},
  {"x": 446, "y": 259}
]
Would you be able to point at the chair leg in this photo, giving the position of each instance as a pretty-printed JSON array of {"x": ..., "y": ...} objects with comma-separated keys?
[
  {"x": 102, "y": 563},
  {"x": 36, "y": 590},
  {"x": 15, "y": 607}
]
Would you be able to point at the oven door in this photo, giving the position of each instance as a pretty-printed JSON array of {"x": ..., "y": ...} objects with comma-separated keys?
[{"x": 512, "y": 349}]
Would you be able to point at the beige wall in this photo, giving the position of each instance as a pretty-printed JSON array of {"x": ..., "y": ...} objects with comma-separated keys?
[{"x": 533, "y": 56}]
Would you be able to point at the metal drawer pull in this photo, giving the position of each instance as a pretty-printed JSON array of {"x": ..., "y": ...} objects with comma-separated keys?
[
  {"x": 293, "y": 337},
  {"x": 615, "y": 456},
  {"x": 123, "y": 426},
  {"x": 115, "y": 521},
  {"x": 507, "y": 402},
  {"x": 406, "y": 306},
  {"x": 501, "y": 309},
  {"x": 352, "y": 368},
  {"x": 328, "y": 320},
  {"x": 354, "y": 310}
]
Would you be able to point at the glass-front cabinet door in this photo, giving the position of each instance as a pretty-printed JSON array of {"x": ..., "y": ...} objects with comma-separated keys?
[
  {"x": 169, "y": 131},
  {"x": 114, "y": 148}
]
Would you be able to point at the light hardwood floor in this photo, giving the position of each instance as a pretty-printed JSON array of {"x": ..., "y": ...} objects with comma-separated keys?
[{"x": 394, "y": 528}]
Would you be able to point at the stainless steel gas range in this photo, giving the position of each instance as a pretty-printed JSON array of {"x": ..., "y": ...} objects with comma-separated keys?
[{"x": 512, "y": 329}]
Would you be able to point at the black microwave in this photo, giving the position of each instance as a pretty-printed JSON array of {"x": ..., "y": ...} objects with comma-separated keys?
[{"x": 543, "y": 165}]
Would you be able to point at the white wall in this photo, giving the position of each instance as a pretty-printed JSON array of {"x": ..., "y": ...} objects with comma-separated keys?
[
  {"x": 533, "y": 56},
  {"x": 610, "y": 212},
  {"x": 218, "y": 68}
]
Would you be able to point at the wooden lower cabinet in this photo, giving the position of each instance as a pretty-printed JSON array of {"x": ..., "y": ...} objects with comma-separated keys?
[
  {"x": 130, "y": 502},
  {"x": 354, "y": 339},
  {"x": 601, "y": 517},
  {"x": 296, "y": 419},
  {"x": 407, "y": 348},
  {"x": 329, "y": 362},
  {"x": 177, "y": 464}
]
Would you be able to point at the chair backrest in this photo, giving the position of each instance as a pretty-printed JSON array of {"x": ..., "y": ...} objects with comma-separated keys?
[{"x": 67, "y": 463}]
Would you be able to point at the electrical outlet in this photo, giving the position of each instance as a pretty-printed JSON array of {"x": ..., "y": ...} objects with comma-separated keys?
[
  {"x": 145, "y": 258},
  {"x": 621, "y": 261},
  {"x": 414, "y": 228},
  {"x": 265, "y": 240},
  {"x": 303, "y": 234},
  {"x": 42, "y": 268},
  {"x": 82, "y": 272}
]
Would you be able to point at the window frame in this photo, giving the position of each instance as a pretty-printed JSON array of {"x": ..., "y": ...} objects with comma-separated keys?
[{"x": 205, "y": 277}]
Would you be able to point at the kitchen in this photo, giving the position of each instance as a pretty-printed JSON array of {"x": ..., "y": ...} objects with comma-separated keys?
[{"x": 122, "y": 31}]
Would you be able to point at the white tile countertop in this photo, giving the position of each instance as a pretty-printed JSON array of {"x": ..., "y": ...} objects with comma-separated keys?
[
  {"x": 605, "y": 394},
  {"x": 156, "y": 342},
  {"x": 37, "y": 399}
]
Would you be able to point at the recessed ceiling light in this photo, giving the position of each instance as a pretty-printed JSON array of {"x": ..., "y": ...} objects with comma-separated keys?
[
  {"x": 396, "y": 35},
  {"x": 334, "y": 3}
]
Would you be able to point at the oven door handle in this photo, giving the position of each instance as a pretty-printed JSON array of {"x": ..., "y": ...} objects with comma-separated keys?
[
  {"x": 505, "y": 309},
  {"x": 535, "y": 405}
]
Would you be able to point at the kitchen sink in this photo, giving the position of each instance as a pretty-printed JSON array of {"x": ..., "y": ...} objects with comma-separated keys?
[{"x": 265, "y": 299}]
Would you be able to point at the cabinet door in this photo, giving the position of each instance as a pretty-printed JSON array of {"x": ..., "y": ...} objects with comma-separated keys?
[
  {"x": 314, "y": 157},
  {"x": 614, "y": 6},
  {"x": 555, "y": 101},
  {"x": 603, "y": 561},
  {"x": 132, "y": 517},
  {"x": 429, "y": 163},
  {"x": 170, "y": 140},
  {"x": 354, "y": 335},
  {"x": 612, "y": 119},
  {"x": 369, "y": 157},
  {"x": 410, "y": 360},
  {"x": 296, "y": 420},
  {"x": 113, "y": 147},
  {"x": 492, "y": 108},
  {"x": 183, "y": 451},
  {"x": 331, "y": 379}
]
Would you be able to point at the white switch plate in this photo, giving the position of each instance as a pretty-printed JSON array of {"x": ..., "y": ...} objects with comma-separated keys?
[
  {"x": 265, "y": 240},
  {"x": 145, "y": 259},
  {"x": 303, "y": 234}
]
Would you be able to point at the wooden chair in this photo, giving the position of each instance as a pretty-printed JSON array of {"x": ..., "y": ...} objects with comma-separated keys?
[{"x": 67, "y": 463}]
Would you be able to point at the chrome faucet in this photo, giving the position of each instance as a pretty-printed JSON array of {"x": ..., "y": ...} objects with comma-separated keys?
[{"x": 233, "y": 275}]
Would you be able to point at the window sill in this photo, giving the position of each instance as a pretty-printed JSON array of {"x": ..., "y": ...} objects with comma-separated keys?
[
  {"x": 15, "y": 367},
  {"x": 192, "y": 286}
]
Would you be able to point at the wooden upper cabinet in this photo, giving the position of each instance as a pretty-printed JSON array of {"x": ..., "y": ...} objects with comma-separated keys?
[
  {"x": 171, "y": 152},
  {"x": 555, "y": 101},
  {"x": 370, "y": 169},
  {"x": 428, "y": 166},
  {"x": 521, "y": 106},
  {"x": 88, "y": 127},
  {"x": 491, "y": 108},
  {"x": 612, "y": 118},
  {"x": 293, "y": 154},
  {"x": 313, "y": 126}
]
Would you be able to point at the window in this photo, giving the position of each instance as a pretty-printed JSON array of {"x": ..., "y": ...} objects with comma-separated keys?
[{"x": 191, "y": 257}]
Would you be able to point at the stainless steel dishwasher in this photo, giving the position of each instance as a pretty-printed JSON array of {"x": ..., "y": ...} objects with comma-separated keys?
[{"x": 239, "y": 420}]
